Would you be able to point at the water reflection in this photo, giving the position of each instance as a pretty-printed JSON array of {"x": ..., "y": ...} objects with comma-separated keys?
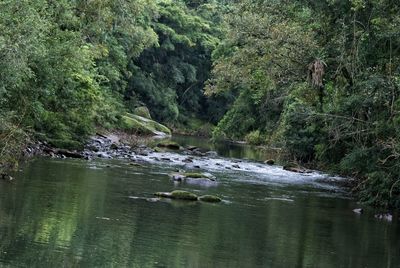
[
  {"x": 228, "y": 149},
  {"x": 62, "y": 213}
]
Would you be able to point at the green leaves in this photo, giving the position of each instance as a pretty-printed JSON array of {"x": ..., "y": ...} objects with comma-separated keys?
[{"x": 169, "y": 77}]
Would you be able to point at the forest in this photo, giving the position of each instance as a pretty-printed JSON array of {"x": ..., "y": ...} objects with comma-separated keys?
[{"x": 319, "y": 79}]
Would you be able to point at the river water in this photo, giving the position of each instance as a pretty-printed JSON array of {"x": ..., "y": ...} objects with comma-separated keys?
[{"x": 75, "y": 213}]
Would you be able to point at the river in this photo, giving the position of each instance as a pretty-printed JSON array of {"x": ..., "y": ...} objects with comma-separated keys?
[{"x": 100, "y": 213}]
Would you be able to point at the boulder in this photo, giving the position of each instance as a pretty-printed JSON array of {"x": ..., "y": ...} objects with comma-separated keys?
[
  {"x": 144, "y": 126},
  {"x": 210, "y": 198},
  {"x": 183, "y": 195},
  {"x": 142, "y": 111},
  {"x": 269, "y": 162}
]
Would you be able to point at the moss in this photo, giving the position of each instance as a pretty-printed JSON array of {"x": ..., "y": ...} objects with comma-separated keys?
[
  {"x": 144, "y": 126},
  {"x": 194, "y": 175},
  {"x": 210, "y": 198},
  {"x": 142, "y": 111},
  {"x": 183, "y": 195},
  {"x": 135, "y": 126}
]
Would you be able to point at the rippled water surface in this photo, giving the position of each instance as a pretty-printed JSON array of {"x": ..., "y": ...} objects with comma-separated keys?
[{"x": 72, "y": 213}]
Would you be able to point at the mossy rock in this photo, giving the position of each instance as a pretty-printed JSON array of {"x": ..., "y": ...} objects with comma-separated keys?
[
  {"x": 183, "y": 195},
  {"x": 144, "y": 126},
  {"x": 210, "y": 198},
  {"x": 194, "y": 175},
  {"x": 142, "y": 111},
  {"x": 169, "y": 144},
  {"x": 136, "y": 126}
]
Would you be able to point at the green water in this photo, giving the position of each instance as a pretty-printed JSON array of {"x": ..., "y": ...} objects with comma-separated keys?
[
  {"x": 228, "y": 149},
  {"x": 72, "y": 213}
]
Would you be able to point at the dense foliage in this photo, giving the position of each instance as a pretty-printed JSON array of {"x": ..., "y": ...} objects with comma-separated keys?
[
  {"x": 71, "y": 66},
  {"x": 320, "y": 79}
]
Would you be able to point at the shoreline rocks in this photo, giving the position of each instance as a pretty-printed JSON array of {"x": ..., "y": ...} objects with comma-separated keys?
[{"x": 384, "y": 216}]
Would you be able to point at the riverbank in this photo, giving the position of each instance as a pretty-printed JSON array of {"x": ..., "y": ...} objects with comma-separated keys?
[{"x": 139, "y": 150}]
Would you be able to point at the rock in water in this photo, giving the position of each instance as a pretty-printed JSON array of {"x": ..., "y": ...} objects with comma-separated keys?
[
  {"x": 384, "y": 216},
  {"x": 183, "y": 195},
  {"x": 177, "y": 194},
  {"x": 6, "y": 177},
  {"x": 358, "y": 210},
  {"x": 210, "y": 198},
  {"x": 269, "y": 162},
  {"x": 181, "y": 176},
  {"x": 195, "y": 175},
  {"x": 163, "y": 194}
]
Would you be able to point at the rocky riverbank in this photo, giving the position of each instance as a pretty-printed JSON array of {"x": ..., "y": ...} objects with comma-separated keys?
[{"x": 193, "y": 165}]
